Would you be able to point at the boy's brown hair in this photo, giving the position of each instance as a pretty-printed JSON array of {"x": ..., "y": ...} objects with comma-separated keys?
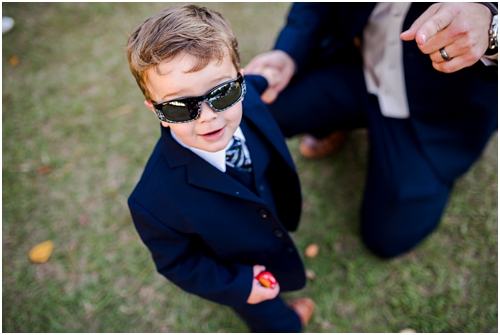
[{"x": 198, "y": 31}]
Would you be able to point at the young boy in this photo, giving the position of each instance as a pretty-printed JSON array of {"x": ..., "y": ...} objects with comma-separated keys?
[{"x": 212, "y": 226}]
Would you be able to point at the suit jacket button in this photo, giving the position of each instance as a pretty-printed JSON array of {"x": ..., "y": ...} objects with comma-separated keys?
[
  {"x": 290, "y": 250},
  {"x": 278, "y": 233},
  {"x": 263, "y": 213}
]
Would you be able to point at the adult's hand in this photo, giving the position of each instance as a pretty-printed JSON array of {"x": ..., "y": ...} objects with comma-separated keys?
[
  {"x": 461, "y": 28},
  {"x": 278, "y": 68}
]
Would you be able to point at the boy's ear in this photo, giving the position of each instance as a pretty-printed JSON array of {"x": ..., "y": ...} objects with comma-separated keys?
[
  {"x": 149, "y": 105},
  {"x": 242, "y": 72}
]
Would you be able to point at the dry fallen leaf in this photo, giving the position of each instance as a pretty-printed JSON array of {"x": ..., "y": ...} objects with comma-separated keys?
[
  {"x": 310, "y": 274},
  {"x": 40, "y": 253},
  {"x": 44, "y": 169},
  {"x": 14, "y": 61},
  {"x": 84, "y": 220},
  {"x": 312, "y": 250}
]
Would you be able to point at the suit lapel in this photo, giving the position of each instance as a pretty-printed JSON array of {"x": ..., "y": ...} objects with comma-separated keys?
[
  {"x": 208, "y": 177},
  {"x": 259, "y": 116},
  {"x": 201, "y": 173}
]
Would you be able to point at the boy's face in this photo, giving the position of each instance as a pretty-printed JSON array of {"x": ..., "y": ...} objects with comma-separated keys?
[{"x": 212, "y": 131}]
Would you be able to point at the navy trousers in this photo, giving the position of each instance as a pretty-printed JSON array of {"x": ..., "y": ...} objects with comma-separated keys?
[
  {"x": 270, "y": 316},
  {"x": 404, "y": 198}
]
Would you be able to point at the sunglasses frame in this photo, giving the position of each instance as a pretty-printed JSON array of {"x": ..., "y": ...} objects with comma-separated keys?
[{"x": 203, "y": 98}]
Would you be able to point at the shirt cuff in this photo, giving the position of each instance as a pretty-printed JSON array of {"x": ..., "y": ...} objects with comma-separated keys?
[{"x": 490, "y": 60}]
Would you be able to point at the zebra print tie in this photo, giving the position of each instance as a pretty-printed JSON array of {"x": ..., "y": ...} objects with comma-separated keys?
[{"x": 236, "y": 157}]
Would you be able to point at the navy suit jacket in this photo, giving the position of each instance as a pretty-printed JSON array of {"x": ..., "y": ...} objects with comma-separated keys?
[
  {"x": 204, "y": 229},
  {"x": 453, "y": 115}
]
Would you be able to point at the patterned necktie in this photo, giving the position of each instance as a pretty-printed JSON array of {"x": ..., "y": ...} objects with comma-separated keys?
[{"x": 236, "y": 157}]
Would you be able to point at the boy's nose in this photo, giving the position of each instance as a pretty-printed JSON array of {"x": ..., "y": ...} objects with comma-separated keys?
[{"x": 206, "y": 113}]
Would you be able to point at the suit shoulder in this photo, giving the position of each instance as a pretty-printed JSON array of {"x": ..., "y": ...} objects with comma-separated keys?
[
  {"x": 156, "y": 168},
  {"x": 256, "y": 83}
]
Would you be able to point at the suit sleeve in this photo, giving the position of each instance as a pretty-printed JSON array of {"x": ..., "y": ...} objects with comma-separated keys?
[
  {"x": 306, "y": 24},
  {"x": 258, "y": 82},
  {"x": 180, "y": 261}
]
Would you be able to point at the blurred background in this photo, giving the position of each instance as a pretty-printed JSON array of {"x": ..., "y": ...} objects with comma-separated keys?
[{"x": 76, "y": 136}]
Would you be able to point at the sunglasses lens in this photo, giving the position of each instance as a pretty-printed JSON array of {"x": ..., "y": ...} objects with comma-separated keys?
[
  {"x": 225, "y": 95},
  {"x": 179, "y": 111},
  {"x": 189, "y": 109}
]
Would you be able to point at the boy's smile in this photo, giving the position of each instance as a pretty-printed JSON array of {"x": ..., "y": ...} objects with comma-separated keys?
[
  {"x": 213, "y": 135},
  {"x": 213, "y": 130}
]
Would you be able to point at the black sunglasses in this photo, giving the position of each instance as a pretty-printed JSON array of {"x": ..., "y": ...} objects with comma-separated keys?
[{"x": 219, "y": 98}]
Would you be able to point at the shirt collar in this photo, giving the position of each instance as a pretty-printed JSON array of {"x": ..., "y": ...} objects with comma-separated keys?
[{"x": 218, "y": 158}]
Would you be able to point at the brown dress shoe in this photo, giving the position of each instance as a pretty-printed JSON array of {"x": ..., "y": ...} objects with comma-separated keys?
[
  {"x": 304, "y": 307},
  {"x": 311, "y": 147}
]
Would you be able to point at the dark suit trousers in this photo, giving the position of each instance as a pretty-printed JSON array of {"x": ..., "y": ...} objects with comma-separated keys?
[
  {"x": 404, "y": 198},
  {"x": 270, "y": 316}
]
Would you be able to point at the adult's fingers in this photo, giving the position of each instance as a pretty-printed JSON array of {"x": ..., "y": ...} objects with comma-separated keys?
[
  {"x": 256, "y": 65},
  {"x": 269, "y": 95},
  {"x": 275, "y": 58},
  {"x": 468, "y": 32},
  {"x": 452, "y": 65},
  {"x": 432, "y": 26},
  {"x": 411, "y": 33},
  {"x": 267, "y": 59},
  {"x": 452, "y": 50}
]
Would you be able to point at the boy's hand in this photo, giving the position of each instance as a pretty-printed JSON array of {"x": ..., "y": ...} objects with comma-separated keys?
[{"x": 260, "y": 293}]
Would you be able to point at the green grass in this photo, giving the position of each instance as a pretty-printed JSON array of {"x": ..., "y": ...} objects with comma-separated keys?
[{"x": 72, "y": 104}]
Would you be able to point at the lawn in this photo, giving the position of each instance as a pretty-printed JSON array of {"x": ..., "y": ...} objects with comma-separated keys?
[{"x": 76, "y": 136}]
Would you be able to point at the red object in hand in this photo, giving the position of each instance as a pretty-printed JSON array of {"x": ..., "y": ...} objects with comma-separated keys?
[{"x": 266, "y": 279}]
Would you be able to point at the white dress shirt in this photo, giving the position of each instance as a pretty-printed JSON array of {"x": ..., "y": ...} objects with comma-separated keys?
[
  {"x": 382, "y": 51},
  {"x": 217, "y": 159}
]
